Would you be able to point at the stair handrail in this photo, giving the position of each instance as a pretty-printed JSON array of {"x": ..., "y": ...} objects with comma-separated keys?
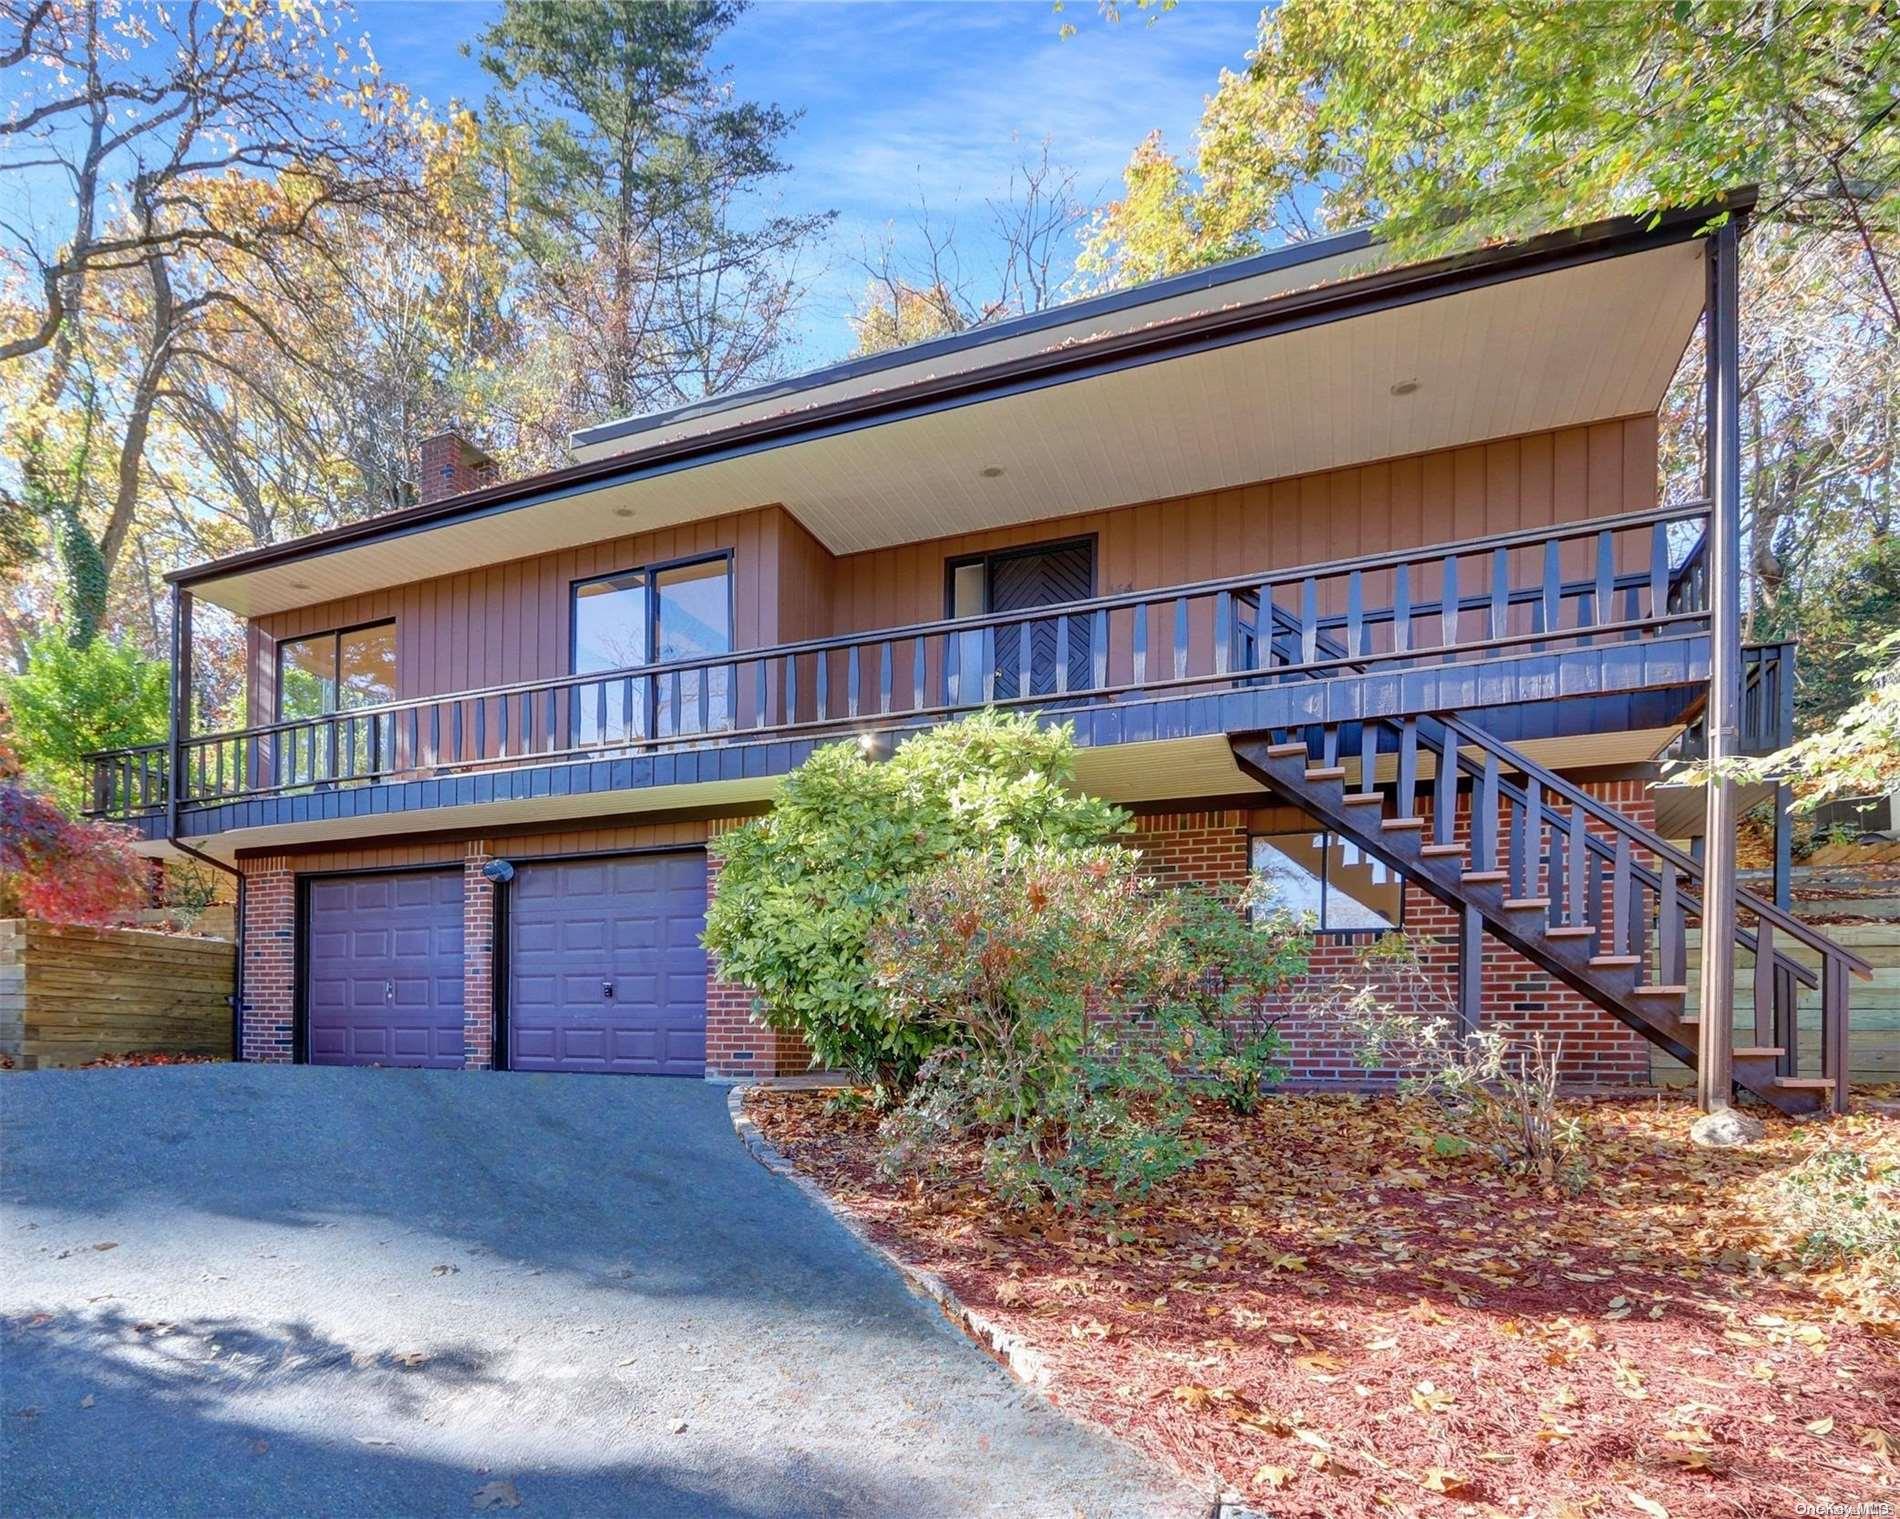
[{"x": 1686, "y": 864}]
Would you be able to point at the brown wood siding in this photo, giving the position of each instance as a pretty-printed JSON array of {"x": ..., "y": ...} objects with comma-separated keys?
[
  {"x": 510, "y": 622},
  {"x": 453, "y": 849},
  {"x": 1428, "y": 498}
]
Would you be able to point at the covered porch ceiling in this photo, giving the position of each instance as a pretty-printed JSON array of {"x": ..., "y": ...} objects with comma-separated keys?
[{"x": 1313, "y": 364}]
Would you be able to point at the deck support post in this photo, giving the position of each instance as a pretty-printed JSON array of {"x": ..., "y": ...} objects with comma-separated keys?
[
  {"x": 180, "y": 728},
  {"x": 1470, "y": 968},
  {"x": 1722, "y": 457}
]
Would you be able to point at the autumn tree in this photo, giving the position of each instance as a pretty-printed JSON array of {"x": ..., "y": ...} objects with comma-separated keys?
[
  {"x": 635, "y": 179},
  {"x": 941, "y": 280},
  {"x": 158, "y": 161}
]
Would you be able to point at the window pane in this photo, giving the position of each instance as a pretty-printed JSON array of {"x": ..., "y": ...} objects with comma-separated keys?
[
  {"x": 1361, "y": 893},
  {"x": 1289, "y": 867},
  {"x": 695, "y": 620},
  {"x": 306, "y": 677},
  {"x": 610, "y": 623},
  {"x": 366, "y": 675},
  {"x": 968, "y": 583}
]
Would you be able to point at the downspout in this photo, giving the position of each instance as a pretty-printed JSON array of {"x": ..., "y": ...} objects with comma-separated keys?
[{"x": 180, "y": 718}]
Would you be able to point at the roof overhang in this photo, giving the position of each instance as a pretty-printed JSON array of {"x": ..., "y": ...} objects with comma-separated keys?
[{"x": 1309, "y": 359}]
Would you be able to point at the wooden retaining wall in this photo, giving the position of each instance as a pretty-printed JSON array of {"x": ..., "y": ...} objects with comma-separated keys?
[
  {"x": 70, "y": 994},
  {"x": 1873, "y": 1027}
]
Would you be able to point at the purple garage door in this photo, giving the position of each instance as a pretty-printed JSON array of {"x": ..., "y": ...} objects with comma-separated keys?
[
  {"x": 605, "y": 968},
  {"x": 384, "y": 969}
]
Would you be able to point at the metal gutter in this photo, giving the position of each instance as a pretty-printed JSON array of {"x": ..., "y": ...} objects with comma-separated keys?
[{"x": 1175, "y": 338}]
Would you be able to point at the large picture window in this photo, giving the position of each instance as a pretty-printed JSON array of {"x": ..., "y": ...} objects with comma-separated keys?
[
  {"x": 1344, "y": 889},
  {"x": 655, "y": 615},
  {"x": 322, "y": 674}
]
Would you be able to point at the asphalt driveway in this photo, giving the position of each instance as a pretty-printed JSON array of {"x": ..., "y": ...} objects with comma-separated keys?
[{"x": 255, "y": 1290}]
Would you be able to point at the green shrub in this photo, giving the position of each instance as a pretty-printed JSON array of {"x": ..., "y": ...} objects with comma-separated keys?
[
  {"x": 800, "y": 888},
  {"x": 1841, "y": 1209},
  {"x": 1066, "y": 998},
  {"x": 71, "y": 701}
]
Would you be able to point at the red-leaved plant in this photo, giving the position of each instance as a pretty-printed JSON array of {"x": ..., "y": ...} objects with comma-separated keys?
[{"x": 63, "y": 869}]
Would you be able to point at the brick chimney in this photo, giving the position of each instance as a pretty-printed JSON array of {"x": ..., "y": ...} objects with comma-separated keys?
[{"x": 450, "y": 465}]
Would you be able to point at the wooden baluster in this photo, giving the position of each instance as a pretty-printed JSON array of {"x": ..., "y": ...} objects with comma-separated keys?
[
  {"x": 1329, "y": 745},
  {"x": 600, "y": 714},
  {"x": 1606, "y": 575},
  {"x": 331, "y": 729},
  {"x": 673, "y": 700},
  {"x": 1620, "y": 891},
  {"x": 1022, "y": 658},
  {"x": 1445, "y": 788},
  {"x": 917, "y": 674},
  {"x": 761, "y": 693},
  {"x": 1141, "y": 644},
  {"x": 821, "y": 684},
  {"x": 1672, "y": 950},
  {"x": 1787, "y": 1021},
  {"x": 550, "y": 717},
  {"x": 1309, "y": 620},
  {"x": 1062, "y": 656},
  {"x": 502, "y": 727},
  {"x": 1834, "y": 1027},
  {"x": 1368, "y": 755},
  {"x": 1500, "y": 593},
  {"x": 221, "y": 749},
  {"x": 1180, "y": 637},
  {"x": 1448, "y": 607},
  {"x": 1484, "y": 817},
  {"x": 1355, "y": 613},
  {"x": 852, "y": 675},
  {"x": 1402, "y": 609},
  {"x": 988, "y": 641},
  {"x": 1098, "y": 647},
  {"x": 1528, "y": 842},
  {"x": 1764, "y": 982},
  {"x": 1223, "y": 631},
  {"x": 884, "y": 678},
  {"x": 702, "y": 679},
  {"x": 791, "y": 688},
  {"x": 1263, "y": 627},
  {"x": 1408, "y": 769},
  {"x": 1553, "y": 602},
  {"x": 1658, "y": 569}
]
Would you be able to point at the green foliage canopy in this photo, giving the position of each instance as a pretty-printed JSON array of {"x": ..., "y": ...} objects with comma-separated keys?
[
  {"x": 800, "y": 889},
  {"x": 70, "y": 701}
]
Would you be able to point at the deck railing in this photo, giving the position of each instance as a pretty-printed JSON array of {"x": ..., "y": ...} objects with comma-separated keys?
[{"x": 1608, "y": 579}]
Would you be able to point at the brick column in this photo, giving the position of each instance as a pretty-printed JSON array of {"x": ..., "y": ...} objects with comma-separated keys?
[
  {"x": 739, "y": 1045},
  {"x": 269, "y": 934},
  {"x": 478, "y": 962}
]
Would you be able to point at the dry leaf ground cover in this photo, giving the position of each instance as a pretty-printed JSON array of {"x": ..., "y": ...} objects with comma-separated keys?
[{"x": 1332, "y": 1318}]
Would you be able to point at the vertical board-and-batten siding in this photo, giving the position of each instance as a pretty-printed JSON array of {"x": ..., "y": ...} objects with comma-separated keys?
[{"x": 510, "y": 622}]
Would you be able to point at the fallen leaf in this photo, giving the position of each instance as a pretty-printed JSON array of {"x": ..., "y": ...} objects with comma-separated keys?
[
  {"x": 109, "y": 1244},
  {"x": 1319, "y": 1363},
  {"x": 1876, "y": 1440},
  {"x": 500, "y": 1494},
  {"x": 1275, "y": 1477},
  {"x": 413, "y": 1358},
  {"x": 1428, "y": 1399},
  {"x": 1823, "y": 1426},
  {"x": 1439, "y": 1480},
  {"x": 87, "y": 1401},
  {"x": 1648, "y": 1505}
]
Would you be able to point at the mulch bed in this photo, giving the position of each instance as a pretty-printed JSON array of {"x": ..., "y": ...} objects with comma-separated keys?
[{"x": 1330, "y": 1318}]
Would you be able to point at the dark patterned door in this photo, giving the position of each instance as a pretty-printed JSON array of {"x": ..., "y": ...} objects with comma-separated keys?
[
  {"x": 383, "y": 969},
  {"x": 1040, "y": 578},
  {"x": 605, "y": 968}
]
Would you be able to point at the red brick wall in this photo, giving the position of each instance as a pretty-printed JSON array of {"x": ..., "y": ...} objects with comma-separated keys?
[
  {"x": 478, "y": 961},
  {"x": 1597, "y": 1049},
  {"x": 270, "y": 961},
  {"x": 739, "y": 1045}
]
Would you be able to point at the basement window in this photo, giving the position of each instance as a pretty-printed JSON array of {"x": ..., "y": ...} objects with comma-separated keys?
[{"x": 1331, "y": 879}]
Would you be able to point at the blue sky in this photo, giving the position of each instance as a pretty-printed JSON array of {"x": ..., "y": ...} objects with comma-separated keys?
[{"x": 900, "y": 99}]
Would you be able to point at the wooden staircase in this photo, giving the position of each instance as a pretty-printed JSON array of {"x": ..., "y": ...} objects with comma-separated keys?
[{"x": 1580, "y": 890}]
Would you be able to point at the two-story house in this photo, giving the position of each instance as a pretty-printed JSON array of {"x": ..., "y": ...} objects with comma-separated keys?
[{"x": 1349, "y": 571}]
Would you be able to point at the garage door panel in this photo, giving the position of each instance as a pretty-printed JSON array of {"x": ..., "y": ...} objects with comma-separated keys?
[
  {"x": 632, "y": 922},
  {"x": 383, "y": 970}
]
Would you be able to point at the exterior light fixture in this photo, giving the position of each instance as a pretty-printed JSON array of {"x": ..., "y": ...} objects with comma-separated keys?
[
  {"x": 991, "y": 471},
  {"x": 1405, "y": 387},
  {"x": 875, "y": 746},
  {"x": 498, "y": 871}
]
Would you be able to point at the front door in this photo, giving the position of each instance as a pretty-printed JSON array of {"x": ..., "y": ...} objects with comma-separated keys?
[{"x": 605, "y": 967}]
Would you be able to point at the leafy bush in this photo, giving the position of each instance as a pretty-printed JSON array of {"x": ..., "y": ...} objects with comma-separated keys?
[
  {"x": 1235, "y": 951},
  {"x": 1065, "y": 996},
  {"x": 1840, "y": 1209},
  {"x": 71, "y": 701},
  {"x": 63, "y": 869},
  {"x": 1500, "y": 1083},
  {"x": 800, "y": 888}
]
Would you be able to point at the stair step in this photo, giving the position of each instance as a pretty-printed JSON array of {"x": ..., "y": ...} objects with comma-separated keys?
[
  {"x": 1758, "y": 1052},
  {"x": 1527, "y": 904},
  {"x": 1485, "y": 877},
  {"x": 1365, "y": 798},
  {"x": 1570, "y": 931},
  {"x": 1401, "y": 825},
  {"x": 1325, "y": 772},
  {"x": 1660, "y": 991},
  {"x": 1805, "y": 1083},
  {"x": 1282, "y": 751},
  {"x": 1440, "y": 851},
  {"x": 1614, "y": 962}
]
